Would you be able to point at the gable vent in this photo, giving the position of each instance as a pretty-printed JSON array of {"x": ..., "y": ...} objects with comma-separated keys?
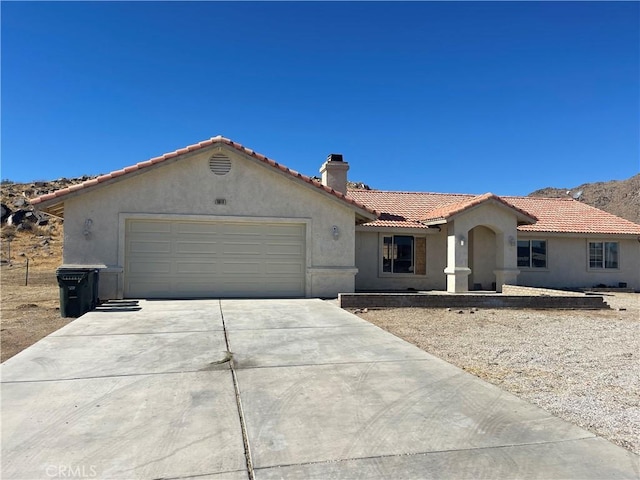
[{"x": 220, "y": 164}]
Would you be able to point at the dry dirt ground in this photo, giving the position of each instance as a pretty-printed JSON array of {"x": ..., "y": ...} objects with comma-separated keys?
[
  {"x": 29, "y": 312},
  {"x": 580, "y": 365}
]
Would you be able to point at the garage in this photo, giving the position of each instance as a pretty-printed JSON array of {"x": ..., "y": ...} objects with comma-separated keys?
[
  {"x": 169, "y": 258},
  {"x": 213, "y": 219}
]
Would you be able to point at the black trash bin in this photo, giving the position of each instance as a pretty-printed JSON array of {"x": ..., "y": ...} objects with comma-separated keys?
[{"x": 78, "y": 290}]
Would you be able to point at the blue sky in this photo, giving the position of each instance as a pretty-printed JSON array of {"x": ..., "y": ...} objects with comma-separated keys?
[{"x": 470, "y": 97}]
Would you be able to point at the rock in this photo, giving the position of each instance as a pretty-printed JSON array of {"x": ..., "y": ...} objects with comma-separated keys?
[
  {"x": 20, "y": 202},
  {"x": 459, "y": 311},
  {"x": 16, "y": 217},
  {"x": 6, "y": 211}
]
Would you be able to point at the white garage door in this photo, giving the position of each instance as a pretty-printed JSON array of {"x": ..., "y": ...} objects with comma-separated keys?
[{"x": 173, "y": 259}]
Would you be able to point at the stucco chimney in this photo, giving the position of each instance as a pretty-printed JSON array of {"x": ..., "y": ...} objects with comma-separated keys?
[{"x": 334, "y": 173}]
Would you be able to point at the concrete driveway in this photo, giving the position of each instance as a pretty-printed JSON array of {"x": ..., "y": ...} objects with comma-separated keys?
[{"x": 145, "y": 390}]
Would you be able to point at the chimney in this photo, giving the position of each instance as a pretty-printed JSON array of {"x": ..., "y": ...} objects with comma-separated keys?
[{"x": 334, "y": 173}]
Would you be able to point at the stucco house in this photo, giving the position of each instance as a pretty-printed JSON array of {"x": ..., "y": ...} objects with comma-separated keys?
[{"x": 216, "y": 219}]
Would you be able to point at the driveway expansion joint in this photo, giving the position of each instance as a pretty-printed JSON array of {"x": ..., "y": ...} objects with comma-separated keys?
[{"x": 243, "y": 425}]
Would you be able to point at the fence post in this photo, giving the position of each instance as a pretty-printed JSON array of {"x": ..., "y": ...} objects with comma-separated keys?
[{"x": 26, "y": 277}]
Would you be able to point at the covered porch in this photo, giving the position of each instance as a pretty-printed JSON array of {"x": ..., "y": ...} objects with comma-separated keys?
[{"x": 482, "y": 240}]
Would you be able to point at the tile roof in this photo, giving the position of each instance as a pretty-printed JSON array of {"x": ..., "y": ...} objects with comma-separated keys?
[
  {"x": 403, "y": 209},
  {"x": 554, "y": 215},
  {"x": 448, "y": 211},
  {"x": 565, "y": 215},
  {"x": 60, "y": 194}
]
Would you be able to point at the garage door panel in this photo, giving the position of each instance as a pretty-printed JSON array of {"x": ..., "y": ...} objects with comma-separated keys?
[
  {"x": 285, "y": 229},
  {"x": 195, "y": 228},
  {"x": 144, "y": 268},
  {"x": 246, "y": 229},
  {"x": 145, "y": 246},
  {"x": 243, "y": 248},
  {"x": 241, "y": 268},
  {"x": 290, "y": 249},
  {"x": 149, "y": 227},
  {"x": 196, "y": 268},
  {"x": 287, "y": 268},
  {"x": 196, "y": 247},
  {"x": 166, "y": 259},
  {"x": 149, "y": 289}
]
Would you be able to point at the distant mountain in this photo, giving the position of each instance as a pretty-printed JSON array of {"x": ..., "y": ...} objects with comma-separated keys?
[{"x": 619, "y": 197}]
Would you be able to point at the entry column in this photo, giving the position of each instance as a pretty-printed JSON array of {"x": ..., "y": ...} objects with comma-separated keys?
[{"x": 457, "y": 270}]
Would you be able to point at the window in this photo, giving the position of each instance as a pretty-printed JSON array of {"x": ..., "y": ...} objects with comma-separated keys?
[
  {"x": 603, "y": 254},
  {"x": 532, "y": 253},
  {"x": 398, "y": 254}
]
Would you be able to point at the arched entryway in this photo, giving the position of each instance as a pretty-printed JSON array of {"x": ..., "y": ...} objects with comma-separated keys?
[
  {"x": 481, "y": 244},
  {"x": 482, "y": 258}
]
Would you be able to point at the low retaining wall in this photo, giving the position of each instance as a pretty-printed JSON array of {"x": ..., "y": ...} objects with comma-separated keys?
[
  {"x": 430, "y": 300},
  {"x": 538, "y": 292},
  {"x": 609, "y": 290}
]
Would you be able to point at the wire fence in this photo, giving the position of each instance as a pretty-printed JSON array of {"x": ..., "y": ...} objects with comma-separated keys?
[{"x": 19, "y": 273}]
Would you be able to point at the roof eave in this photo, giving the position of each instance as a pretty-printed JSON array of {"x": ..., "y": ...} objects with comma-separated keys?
[
  {"x": 434, "y": 221},
  {"x": 54, "y": 208}
]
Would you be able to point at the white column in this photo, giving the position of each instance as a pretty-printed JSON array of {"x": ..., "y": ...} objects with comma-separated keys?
[{"x": 457, "y": 270}]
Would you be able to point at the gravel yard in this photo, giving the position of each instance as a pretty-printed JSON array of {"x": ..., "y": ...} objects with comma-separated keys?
[{"x": 581, "y": 365}]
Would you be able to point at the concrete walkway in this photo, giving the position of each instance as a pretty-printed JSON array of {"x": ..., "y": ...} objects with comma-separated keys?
[{"x": 144, "y": 390}]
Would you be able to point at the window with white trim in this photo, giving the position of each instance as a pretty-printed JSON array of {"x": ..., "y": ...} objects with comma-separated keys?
[
  {"x": 532, "y": 253},
  {"x": 603, "y": 255}
]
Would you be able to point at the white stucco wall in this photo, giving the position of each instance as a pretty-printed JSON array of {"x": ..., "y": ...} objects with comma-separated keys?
[
  {"x": 567, "y": 262},
  {"x": 188, "y": 187},
  {"x": 368, "y": 262},
  {"x": 567, "y": 257}
]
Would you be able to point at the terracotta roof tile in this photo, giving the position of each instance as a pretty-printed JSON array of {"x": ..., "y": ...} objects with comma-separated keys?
[
  {"x": 448, "y": 211},
  {"x": 192, "y": 148},
  {"x": 571, "y": 216},
  {"x": 554, "y": 215},
  {"x": 405, "y": 209}
]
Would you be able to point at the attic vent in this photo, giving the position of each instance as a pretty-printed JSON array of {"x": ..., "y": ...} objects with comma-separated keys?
[{"x": 219, "y": 164}]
